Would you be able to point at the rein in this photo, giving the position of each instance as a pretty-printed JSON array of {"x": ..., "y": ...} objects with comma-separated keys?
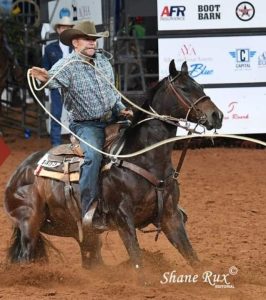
[{"x": 182, "y": 158}]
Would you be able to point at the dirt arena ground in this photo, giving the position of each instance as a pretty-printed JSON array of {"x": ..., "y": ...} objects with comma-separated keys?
[{"x": 223, "y": 191}]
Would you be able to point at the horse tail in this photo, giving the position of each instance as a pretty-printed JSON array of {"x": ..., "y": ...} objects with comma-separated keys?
[
  {"x": 15, "y": 247},
  {"x": 15, "y": 250}
]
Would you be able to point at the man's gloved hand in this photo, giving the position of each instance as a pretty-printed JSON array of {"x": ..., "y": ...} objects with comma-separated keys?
[
  {"x": 126, "y": 113},
  {"x": 39, "y": 73}
]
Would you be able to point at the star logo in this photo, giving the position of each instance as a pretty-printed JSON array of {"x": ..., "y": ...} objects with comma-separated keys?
[{"x": 245, "y": 11}]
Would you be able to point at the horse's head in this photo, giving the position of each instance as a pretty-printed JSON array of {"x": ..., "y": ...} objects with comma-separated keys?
[{"x": 185, "y": 98}]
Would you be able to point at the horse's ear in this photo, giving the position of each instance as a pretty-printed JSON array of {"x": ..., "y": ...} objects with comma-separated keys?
[
  {"x": 172, "y": 69},
  {"x": 184, "y": 68}
]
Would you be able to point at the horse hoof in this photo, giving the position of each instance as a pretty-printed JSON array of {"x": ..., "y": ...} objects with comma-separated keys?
[
  {"x": 92, "y": 264},
  {"x": 196, "y": 264}
]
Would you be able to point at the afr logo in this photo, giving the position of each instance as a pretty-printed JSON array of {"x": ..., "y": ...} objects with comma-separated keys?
[{"x": 173, "y": 12}]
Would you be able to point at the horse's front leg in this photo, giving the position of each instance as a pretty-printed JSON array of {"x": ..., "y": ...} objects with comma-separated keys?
[
  {"x": 126, "y": 228},
  {"x": 174, "y": 229}
]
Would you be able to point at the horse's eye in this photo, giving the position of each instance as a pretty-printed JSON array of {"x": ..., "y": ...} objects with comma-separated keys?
[{"x": 185, "y": 89}]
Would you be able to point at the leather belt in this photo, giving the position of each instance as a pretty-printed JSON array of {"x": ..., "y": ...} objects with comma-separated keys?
[{"x": 105, "y": 118}]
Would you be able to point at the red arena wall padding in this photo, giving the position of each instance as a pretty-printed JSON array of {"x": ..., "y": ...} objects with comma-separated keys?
[{"x": 4, "y": 151}]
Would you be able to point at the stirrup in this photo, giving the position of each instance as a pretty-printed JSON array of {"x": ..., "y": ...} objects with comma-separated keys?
[{"x": 87, "y": 219}]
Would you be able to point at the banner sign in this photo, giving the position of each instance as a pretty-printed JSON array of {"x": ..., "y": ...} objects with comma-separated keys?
[
  {"x": 76, "y": 10},
  {"x": 243, "y": 112},
  {"x": 217, "y": 60},
  {"x": 206, "y": 14}
]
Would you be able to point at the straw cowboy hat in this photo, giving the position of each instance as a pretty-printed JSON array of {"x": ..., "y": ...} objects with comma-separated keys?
[
  {"x": 82, "y": 29},
  {"x": 66, "y": 21}
]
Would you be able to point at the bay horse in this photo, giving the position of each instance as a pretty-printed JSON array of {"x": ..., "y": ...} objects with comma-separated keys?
[{"x": 37, "y": 204}]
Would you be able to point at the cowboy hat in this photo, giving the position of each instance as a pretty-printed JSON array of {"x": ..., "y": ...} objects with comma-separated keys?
[
  {"x": 66, "y": 21},
  {"x": 82, "y": 29}
]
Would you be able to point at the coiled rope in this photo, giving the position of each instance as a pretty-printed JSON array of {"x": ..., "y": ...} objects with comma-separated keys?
[{"x": 32, "y": 81}]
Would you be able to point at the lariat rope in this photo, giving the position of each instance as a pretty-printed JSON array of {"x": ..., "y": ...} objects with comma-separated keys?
[
  {"x": 155, "y": 115},
  {"x": 31, "y": 80}
]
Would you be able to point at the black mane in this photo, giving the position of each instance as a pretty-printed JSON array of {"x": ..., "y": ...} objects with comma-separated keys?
[{"x": 146, "y": 101}]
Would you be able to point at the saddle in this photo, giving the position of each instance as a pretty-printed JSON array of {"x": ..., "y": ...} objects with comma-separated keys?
[{"x": 63, "y": 162}]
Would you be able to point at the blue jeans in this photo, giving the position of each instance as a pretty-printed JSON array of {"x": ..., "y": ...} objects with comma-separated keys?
[
  {"x": 56, "y": 111},
  {"x": 92, "y": 132}
]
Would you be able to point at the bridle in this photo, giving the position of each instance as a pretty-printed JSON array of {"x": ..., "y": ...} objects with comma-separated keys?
[{"x": 187, "y": 103}]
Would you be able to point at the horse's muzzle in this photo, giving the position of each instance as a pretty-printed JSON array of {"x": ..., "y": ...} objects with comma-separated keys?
[
  {"x": 217, "y": 117},
  {"x": 214, "y": 120}
]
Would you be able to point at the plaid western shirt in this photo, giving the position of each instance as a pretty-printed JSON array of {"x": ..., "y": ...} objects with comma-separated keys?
[{"x": 86, "y": 94}]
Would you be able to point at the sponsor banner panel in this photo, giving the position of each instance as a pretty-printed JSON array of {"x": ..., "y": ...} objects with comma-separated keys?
[
  {"x": 206, "y": 14},
  {"x": 243, "y": 108},
  {"x": 76, "y": 10},
  {"x": 217, "y": 60}
]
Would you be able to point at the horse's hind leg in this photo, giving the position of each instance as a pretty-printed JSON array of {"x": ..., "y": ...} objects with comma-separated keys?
[
  {"x": 28, "y": 243},
  {"x": 173, "y": 228}
]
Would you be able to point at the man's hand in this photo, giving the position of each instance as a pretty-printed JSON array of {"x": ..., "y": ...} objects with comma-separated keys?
[
  {"x": 126, "y": 113},
  {"x": 39, "y": 73}
]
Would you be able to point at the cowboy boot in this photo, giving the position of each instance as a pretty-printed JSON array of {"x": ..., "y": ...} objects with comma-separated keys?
[{"x": 94, "y": 221}]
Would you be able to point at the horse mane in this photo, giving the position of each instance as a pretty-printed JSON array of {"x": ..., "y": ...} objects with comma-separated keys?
[{"x": 147, "y": 100}]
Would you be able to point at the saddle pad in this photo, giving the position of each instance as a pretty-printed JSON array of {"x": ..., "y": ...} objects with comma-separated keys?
[
  {"x": 62, "y": 168},
  {"x": 61, "y": 164},
  {"x": 72, "y": 177}
]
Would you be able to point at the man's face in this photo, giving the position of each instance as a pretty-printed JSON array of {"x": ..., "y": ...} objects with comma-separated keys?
[
  {"x": 86, "y": 46},
  {"x": 61, "y": 28}
]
